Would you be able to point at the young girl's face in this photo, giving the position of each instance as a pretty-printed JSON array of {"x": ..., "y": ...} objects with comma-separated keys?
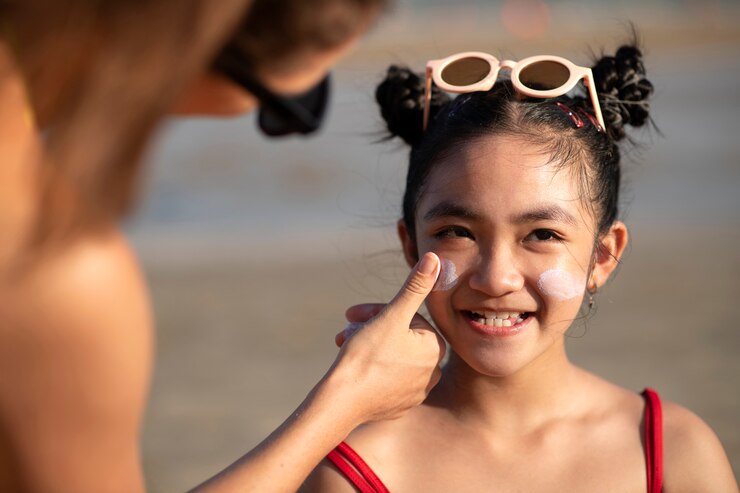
[{"x": 516, "y": 242}]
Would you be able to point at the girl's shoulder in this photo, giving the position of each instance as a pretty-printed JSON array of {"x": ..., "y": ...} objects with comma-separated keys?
[{"x": 693, "y": 456}]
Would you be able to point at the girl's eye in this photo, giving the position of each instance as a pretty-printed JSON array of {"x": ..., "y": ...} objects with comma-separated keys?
[
  {"x": 453, "y": 232},
  {"x": 543, "y": 235}
]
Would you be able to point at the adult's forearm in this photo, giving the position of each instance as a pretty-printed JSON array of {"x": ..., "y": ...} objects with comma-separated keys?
[{"x": 284, "y": 459}]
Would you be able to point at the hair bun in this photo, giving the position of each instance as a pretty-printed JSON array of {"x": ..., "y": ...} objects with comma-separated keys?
[
  {"x": 401, "y": 99},
  {"x": 623, "y": 90}
]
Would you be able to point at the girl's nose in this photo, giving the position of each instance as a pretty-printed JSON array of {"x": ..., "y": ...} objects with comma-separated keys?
[{"x": 497, "y": 274}]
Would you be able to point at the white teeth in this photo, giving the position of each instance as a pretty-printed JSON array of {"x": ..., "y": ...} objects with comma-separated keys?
[
  {"x": 498, "y": 319},
  {"x": 501, "y": 315}
]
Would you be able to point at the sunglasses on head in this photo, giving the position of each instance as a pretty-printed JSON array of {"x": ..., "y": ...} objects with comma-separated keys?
[
  {"x": 544, "y": 76},
  {"x": 278, "y": 115}
]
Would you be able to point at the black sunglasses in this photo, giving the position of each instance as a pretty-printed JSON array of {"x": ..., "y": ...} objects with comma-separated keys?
[{"x": 278, "y": 115}]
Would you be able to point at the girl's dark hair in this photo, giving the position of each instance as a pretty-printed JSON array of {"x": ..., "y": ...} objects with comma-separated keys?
[{"x": 623, "y": 92}]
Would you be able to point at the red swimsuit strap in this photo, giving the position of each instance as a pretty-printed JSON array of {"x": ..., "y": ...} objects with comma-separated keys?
[
  {"x": 653, "y": 440},
  {"x": 356, "y": 470}
]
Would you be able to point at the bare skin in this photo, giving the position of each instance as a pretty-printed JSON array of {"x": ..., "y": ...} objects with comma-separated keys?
[
  {"x": 76, "y": 340},
  {"x": 512, "y": 413},
  {"x": 76, "y": 337}
]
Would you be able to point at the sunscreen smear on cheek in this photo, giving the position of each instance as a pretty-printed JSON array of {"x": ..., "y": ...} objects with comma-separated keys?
[
  {"x": 447, "y": 276},
  {"x": 560, "y": 284}
]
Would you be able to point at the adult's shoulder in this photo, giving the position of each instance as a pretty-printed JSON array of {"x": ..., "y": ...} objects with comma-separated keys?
[
  {"x": 694, "y": 459},
  {"x": 84, "y": 306},
  {"x": 75, "y": 352},
  {"x": 78, "y": 291}
]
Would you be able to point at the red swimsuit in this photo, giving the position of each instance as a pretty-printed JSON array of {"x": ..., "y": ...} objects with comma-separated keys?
[{"x": 359, "y": 473}]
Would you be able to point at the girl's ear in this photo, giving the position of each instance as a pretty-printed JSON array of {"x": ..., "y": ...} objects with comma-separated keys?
[
  {"x": 608, "y": 252},
  {"x": 410, "y": 253}
]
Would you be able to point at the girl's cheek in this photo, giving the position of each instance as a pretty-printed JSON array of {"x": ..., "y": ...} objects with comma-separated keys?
[{"x": 561, "y": 285}]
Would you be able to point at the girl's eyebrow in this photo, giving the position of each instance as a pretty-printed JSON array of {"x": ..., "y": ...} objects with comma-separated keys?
[
  {"x": 450, "y": 209},
  {"x": 549, "y": 212},
  {"x": 545, "y": 213}
]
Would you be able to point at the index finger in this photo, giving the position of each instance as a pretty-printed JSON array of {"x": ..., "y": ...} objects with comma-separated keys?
[{"x": 363, "y": 312}]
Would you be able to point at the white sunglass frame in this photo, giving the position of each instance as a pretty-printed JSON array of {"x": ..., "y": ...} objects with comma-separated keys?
[{"x": 435, "y": 67}]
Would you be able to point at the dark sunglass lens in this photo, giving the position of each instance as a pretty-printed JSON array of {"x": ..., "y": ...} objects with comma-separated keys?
[
  {"x": 274, "y": 124},
  {"x": 315, "y": 100},
  {"x": 466, "y": 71},
  {"x": 545, "y": 75},
  {"x": 300, "y": 114}
]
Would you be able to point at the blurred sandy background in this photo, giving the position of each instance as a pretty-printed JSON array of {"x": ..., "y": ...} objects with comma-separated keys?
[{"x": 254, "y": 249}]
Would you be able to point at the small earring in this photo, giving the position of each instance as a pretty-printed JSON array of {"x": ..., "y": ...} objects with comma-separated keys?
[{"x": 592, "y": 289}]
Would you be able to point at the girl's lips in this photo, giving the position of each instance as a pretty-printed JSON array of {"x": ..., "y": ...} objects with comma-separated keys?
[{"x": 493, "y": 330}]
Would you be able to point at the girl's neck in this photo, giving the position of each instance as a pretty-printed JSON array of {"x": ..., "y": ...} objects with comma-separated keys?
[{"x": 541, "y": 391}]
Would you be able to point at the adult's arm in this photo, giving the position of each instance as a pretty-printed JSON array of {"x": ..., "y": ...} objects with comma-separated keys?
[{"x": 382, "y": 371}]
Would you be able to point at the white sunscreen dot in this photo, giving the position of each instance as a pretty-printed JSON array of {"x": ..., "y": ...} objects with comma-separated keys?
[
  {"x": 447, "y": 276},
  {"x": 561, "y": 285}
]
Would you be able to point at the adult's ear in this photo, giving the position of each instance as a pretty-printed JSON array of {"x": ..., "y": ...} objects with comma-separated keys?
[
  {"x": 410, "y": 252},
  {"x": 609, "y": 249}
]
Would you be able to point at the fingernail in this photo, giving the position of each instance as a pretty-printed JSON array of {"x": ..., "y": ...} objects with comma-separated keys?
[{"x": 429, "y": 264}]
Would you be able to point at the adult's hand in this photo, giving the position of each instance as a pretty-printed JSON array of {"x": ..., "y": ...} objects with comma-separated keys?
[
  {"x": 393, "y": 352},
  {"x": 381, "y": 372}
]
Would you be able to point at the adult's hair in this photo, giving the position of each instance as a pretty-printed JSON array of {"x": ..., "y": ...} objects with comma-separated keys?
[
  {"x": 277, "y": 35},
  {"x": 550, "y": 124},
  {"x": 101, "y": 74}
]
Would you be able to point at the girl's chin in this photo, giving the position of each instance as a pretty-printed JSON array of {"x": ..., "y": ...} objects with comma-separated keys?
[{"x": 479, "y": 367}]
